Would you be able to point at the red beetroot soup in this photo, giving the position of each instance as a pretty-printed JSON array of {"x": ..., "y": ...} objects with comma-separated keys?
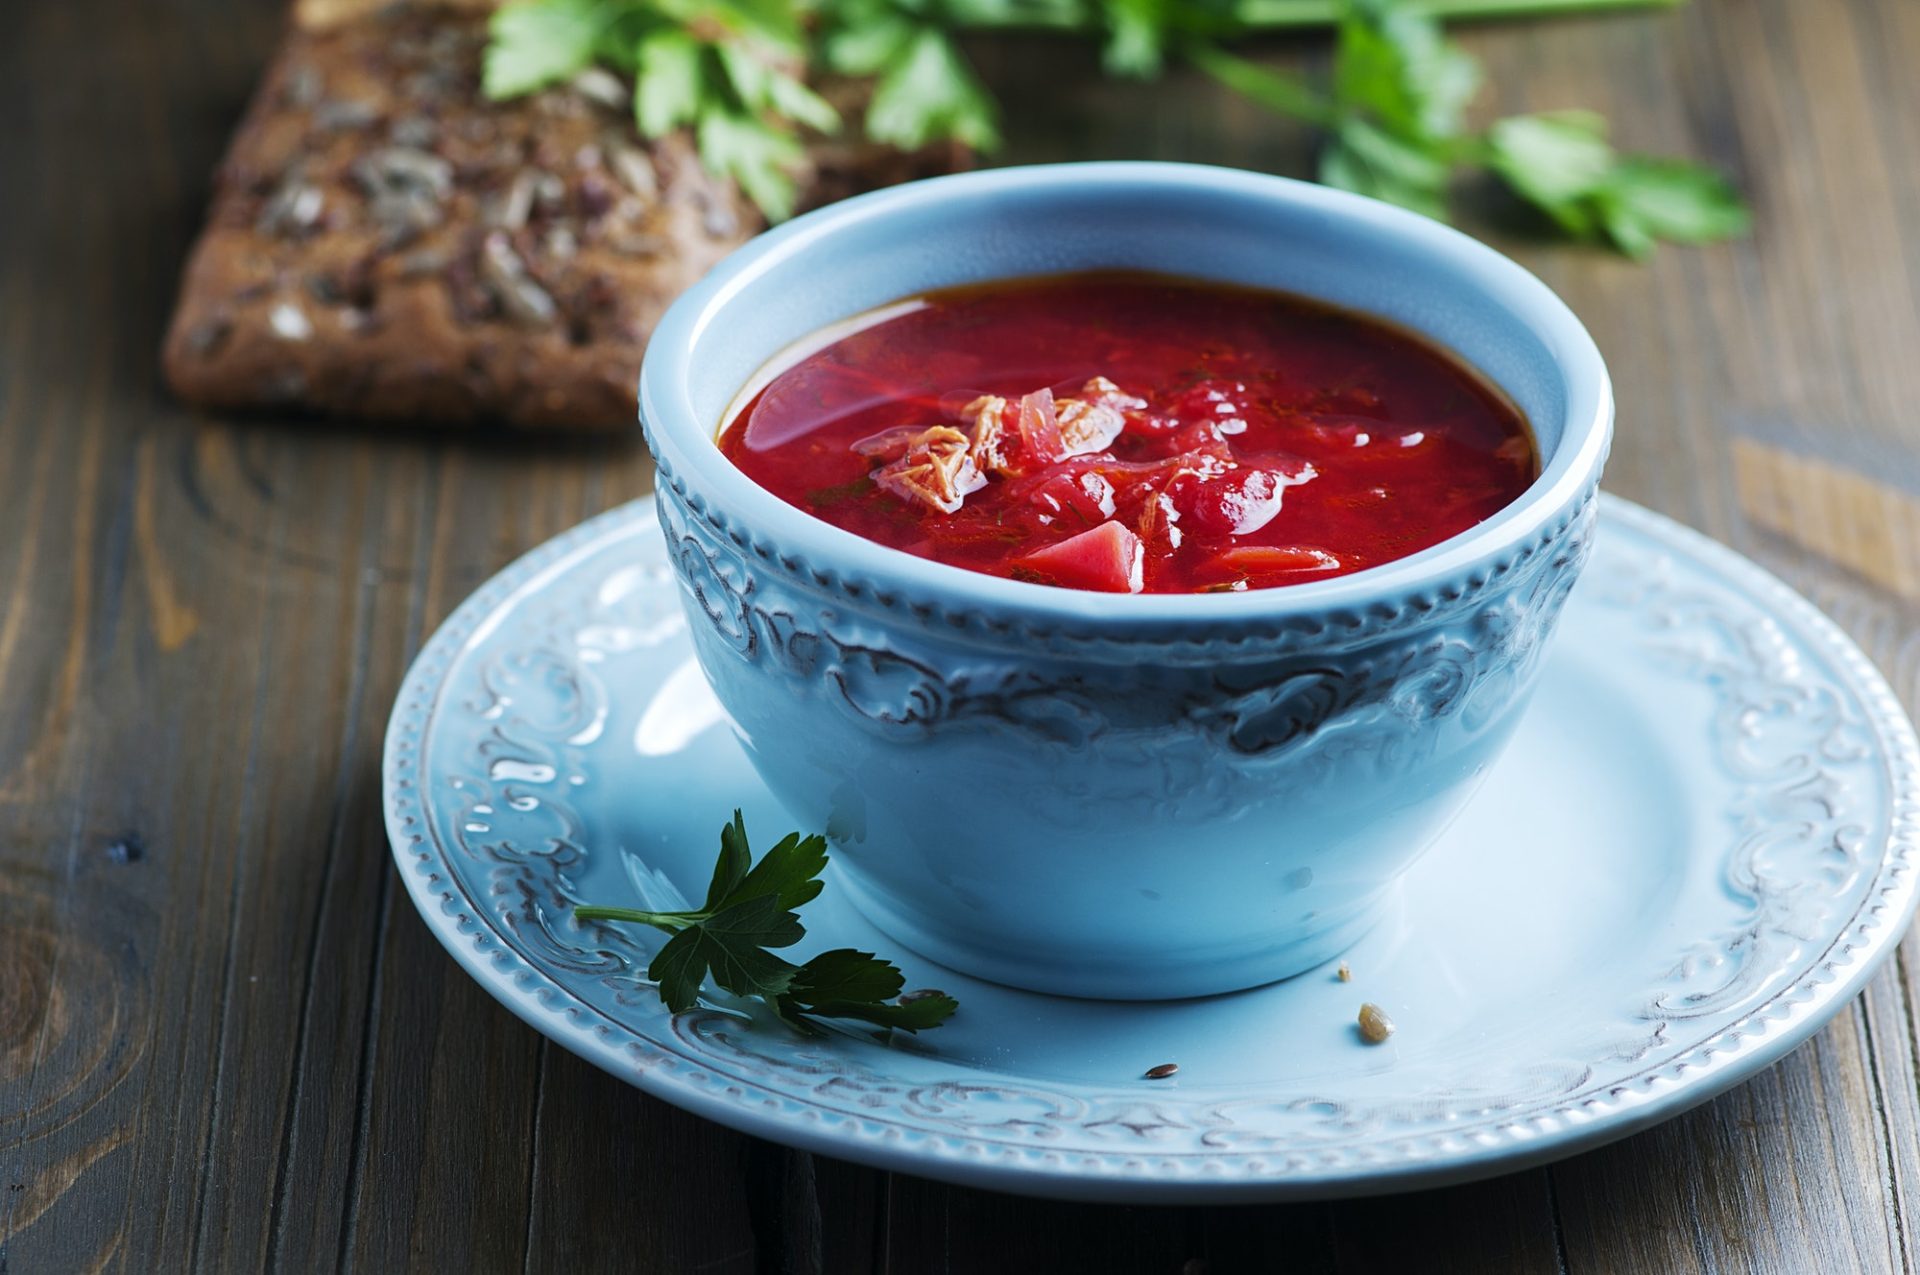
[{"x": 1135, "y": 433}]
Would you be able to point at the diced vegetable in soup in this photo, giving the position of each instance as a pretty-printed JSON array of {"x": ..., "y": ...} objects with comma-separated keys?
[{"x": 1133, "y": 433}]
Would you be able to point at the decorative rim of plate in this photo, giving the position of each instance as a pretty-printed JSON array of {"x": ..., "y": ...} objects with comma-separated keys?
[{"x": 1588, "y": 1116}]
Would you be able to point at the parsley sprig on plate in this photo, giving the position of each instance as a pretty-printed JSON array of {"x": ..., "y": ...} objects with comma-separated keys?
[
  {"x": 1393, "y": 109},
  {"x": 749, "y": 913}
]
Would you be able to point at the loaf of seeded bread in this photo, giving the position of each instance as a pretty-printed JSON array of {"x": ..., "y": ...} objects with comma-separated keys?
[{"x": 385, "y": 243}]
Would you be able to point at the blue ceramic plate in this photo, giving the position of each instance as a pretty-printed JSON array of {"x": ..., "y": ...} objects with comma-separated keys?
[{"x": 1697, "y": 851}]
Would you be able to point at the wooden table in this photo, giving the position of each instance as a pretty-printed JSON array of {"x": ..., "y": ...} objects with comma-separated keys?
[{"x": 227, "y": 1041}]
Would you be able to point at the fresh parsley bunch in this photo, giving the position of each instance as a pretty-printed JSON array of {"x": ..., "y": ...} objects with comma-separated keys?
[
  {"x": 749, "y": 913},
  {"x": 1393, "y": 110}
]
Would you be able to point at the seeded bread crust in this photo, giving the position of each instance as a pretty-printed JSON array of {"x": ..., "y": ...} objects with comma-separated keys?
[{"x": 385, "y": 243}]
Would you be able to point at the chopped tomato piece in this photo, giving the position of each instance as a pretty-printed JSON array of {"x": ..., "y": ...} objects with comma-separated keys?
[
  {"x": 1083, "y": 497},
  {"x": 1109, "y": 559},
  {"x": 1234, "y": 504},
  {"x": 1240, "y": 501}
]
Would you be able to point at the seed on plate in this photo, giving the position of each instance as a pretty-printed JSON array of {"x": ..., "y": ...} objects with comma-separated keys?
[
  {"x": 1345, "y": 972},
  {"x": 1162, "y": 1071},
  {"x": 1375, "y": 1026},
  {"x": 924, "y": 993}
]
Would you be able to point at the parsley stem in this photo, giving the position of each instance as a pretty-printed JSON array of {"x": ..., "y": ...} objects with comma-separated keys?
[
  {"x": 662, "y": 920},
  {"x": 1281, "y": 14},
  {"x": 1270, "y": 89}
]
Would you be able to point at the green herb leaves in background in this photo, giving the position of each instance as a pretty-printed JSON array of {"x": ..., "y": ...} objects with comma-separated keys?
[
  {"x": 928, "y": 92},
  {"x": 729, "y": 69},
  {"x": 536, "y": 44},
  {"x": 750, "y": 910},
  {"x": 1562, "y": 164},
  {"x": 1395, "y": 118},
  {"x": 1393, "y": 109}
]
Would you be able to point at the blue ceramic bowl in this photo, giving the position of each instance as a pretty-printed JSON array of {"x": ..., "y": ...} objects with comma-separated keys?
[{"x": 1108, "y": 795}]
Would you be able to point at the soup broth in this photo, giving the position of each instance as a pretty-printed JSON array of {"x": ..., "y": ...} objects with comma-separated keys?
[{"x": 1134, "y": 433}]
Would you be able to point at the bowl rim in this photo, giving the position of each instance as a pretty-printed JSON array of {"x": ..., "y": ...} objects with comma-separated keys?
[{"x": 684, "y": 447}]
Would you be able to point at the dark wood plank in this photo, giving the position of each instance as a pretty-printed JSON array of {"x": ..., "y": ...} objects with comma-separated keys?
[
  {"x": 230, "y": 1048},
  {"x": 226, "y": 1041},
  {"x": 958, "y": 1231},
  {"x": 106, "y": 843}
]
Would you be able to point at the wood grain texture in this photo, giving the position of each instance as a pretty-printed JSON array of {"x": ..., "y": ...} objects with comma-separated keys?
[{"x": 226, "y": 1042}]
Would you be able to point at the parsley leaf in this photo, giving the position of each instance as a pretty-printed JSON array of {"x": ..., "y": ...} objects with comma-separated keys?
[
  {"x": 732, "y": 945},
  {"x": 754, "y": 153},
  {"x": 1280, "y": 94},
  {"x": 1645, "y": 200},
  {"x": 789, "y": 872},
  {"x": 930, "y": 92},
  {"x": 749, "y": 911},
  {"x": 1556, "y": 162},
  {"x": 730, "y": 869},
  {"x": 1135, "y": 38},
  {"x": 769, "y": 89},
  {"x": 1563, "y": 165},
  {"x": 866, "y": 46},
  {"x": 1368, "y": 160},
  {"x": 1395, "y": 63},
  {"x": 667, "y": 88},
  {"x": 844, "y": 983},
  {"x": 534, "y": 45}
]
